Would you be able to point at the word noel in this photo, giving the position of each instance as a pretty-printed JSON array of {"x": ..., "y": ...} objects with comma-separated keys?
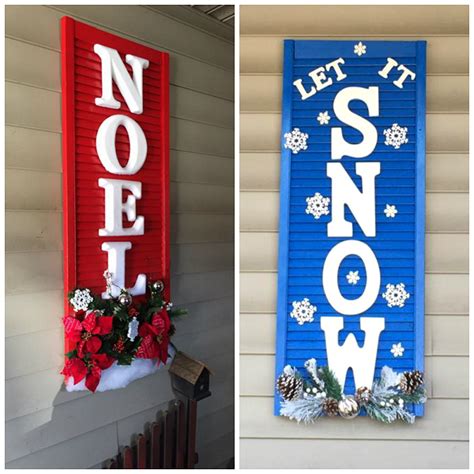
[
  {"x": 113, "y": 68},
  {"x": 362, "y": 205}
]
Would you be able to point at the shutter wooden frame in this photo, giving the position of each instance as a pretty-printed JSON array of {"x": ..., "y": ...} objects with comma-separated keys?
[
  {"x": 155, "y": 123},
  {"x": 331, "y": 50}
]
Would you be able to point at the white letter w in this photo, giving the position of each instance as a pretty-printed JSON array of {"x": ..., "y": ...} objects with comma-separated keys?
[{"x": 361, "y": 359}]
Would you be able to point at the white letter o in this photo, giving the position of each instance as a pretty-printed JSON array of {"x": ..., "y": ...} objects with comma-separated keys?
[
  {"x": 105, "y": 145},
  {"x": 330, "y": 277}
]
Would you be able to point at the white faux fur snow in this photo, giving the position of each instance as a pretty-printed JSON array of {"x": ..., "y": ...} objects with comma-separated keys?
[{"x": 119, "y": 376}]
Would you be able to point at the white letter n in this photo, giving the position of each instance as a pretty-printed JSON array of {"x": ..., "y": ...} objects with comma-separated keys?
[
  {"x": 114, "y": 68},
  {"x": 361, "y": 359},
  {"x": 346, "y": 193}
]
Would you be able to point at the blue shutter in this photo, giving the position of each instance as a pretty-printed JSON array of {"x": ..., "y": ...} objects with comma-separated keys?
[{"x": 399, "y": 241}]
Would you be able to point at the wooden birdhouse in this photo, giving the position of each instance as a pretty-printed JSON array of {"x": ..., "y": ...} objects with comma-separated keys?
[{"x": 189, "y": 377}]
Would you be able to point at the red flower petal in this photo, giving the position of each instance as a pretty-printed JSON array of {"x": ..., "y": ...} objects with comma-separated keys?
[
  {"x": 93, "y": 345},
  {"x": 72, "y": 328},
  {"x": 103, "y": 360},
  {"x": 80, "y": 348},
  {"x": 161, "y": 322},
  {"x": 148, "y": 348},
  {"x": 104, "y": 325},
  {"x": 163, "y": 350},
  {"x": 93, "y": 378},
  {"x": 76, "y": 369},
  {"x": 89, "y": 322},
  {"x": 147, "y": 329}
]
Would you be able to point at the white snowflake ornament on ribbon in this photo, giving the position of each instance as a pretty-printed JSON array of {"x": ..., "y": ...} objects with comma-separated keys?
[
  {"x": 133, "y": 329},
  {"x": 353, "y": 277},
  {"x": 303, "y": 311},
  {"x": 395, "y": 295},
  {"x": 323, "y": 118},
  {"x": 396, "y": 136},
  {"x": 360, "y": 49},
  {"x": 296, "y": 140},
  {"x": 81, "y": 300},
  {"x": 397, "y": 350},
  {"x": 317, "y": 205},
  {"x": 390, "y": 211}
]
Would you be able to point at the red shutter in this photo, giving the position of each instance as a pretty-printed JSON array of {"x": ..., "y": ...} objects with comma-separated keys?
[{"x": 83, "y": 199}]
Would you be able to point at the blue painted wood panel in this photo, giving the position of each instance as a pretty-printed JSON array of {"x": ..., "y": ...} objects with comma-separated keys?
[{"x": 399, "y": 242}]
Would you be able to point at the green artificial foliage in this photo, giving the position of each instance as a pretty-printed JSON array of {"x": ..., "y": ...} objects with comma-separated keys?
[
  {"x": 378, "y": 413},
  {"x": 387, "y": 401},
  {"x": 418, "y": 396},
  {"x": 71, "y": 354},
  {"x": 332, "y": 387},
  {"x": 122, "y": 315}
]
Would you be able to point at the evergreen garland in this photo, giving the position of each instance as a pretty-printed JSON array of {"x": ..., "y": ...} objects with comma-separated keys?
[
  {"x": 386, "y": 402},
  {"x": 144, "y": 312},
  {"x": 303, "y": 410},
  {"x": 113, "y": 330}
]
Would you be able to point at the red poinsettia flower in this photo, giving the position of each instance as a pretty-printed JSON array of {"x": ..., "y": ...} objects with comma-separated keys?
[
  {"x": 86, "y": 331},
  {"x": 155, "y": 337},
  {"x": 90, "y": 369}
]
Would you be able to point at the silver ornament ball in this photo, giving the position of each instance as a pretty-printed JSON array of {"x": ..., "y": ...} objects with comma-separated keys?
[
  {"x": 125, "y": 299},
  {"x": 158, "y": 286},
  {"x": 348, "y": 407}
]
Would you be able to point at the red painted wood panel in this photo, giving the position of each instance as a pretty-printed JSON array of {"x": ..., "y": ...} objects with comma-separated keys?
[{"x": 83, "y": 199}]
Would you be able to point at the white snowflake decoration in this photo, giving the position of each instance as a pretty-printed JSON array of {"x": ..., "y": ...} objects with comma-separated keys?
[
  {"x": 395, "y": 295},
  {"x": 396, "y": 136},
  {"x": 397, "y": 350},
  {"x": 390, "y": 211},
  {"x": 81, "y": 299},
  {"x": 323, "y": 118},
  {"x": 360, "y": 49},
  {"x": 317, "y": 205},
  {"x": 353, "y": 277},
  {"x": 303, "y": 311},
  {"x": 132, "y": 329},
  {"x": 296, "y": 140}
]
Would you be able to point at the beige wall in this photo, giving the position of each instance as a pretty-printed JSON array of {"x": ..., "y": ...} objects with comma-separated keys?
[
  {"x": 47, "y": 427},
  {"x": 440, "y": 438}
]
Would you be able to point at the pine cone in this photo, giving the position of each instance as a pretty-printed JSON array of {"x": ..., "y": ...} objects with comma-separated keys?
[
  {"x": 330, "y": 407},
  {"x": 410, "y": 381},
  {"x": 289, "y": 386},
  {"x": 363, "y": 395}
]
